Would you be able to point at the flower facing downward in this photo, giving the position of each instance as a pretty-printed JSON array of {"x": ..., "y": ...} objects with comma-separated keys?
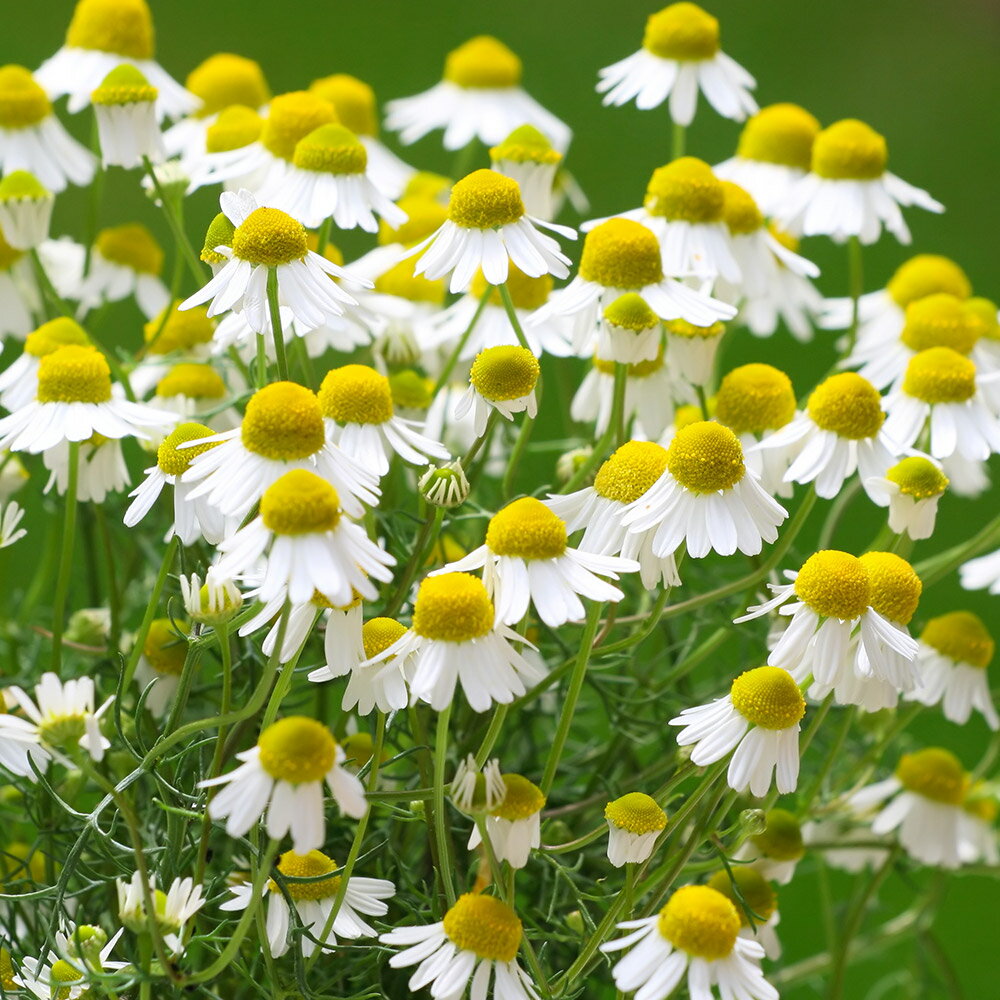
[
  {"x": 514, "y": 823},
  {"x": 126, "y": 260},
  {"x": 164, "y": 653},
  {"x": 777, "y": 849},
  {"x": 502, "y": 379},
  {"x": 755, "y": 901},
  {"x": 528, "y": 157},
  {"x": 125, "y": 108},
  {"x": 911, "y": 489},
  {"x": 25, "y": 210},
  {"x": 635, "y": 823},
  {"x": 174, "y": 908}
]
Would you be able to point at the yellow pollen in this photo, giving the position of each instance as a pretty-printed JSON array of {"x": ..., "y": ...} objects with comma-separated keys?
[
  {"x": 960, "y": 636},
  {"x": 940, "y": 320},
  {"x": 504, "y": 373},
  {"x": 526, "y": 529},
  {"x": 353, "y": 100},
  {"x": 23, "y": 102},
  {"x": 756, "y": 892},
  {"x": 682, "y": 31},
  {"x": 768, "y": 697},
  {"x": 754, "y": 398},
  {"x": 174, "y": 460},
  {"x": 630, "y": 312},
  {"x": 284, "y": 422},
  {"x": 300, "y": 503},
  {"x": 925, "y": 274},
  {"x": 636, "y": 813},
  {"x": 220, "y": 233},
  {"x": 378, "y": 634},
  {"x": 685, "y": 191},
  {"x": 235, "y": 128},
  {"x": 122, "y": 27},
  {"x": 688, "y": 331},
  {"x": 849, "y": 150},
  {"x": 484, "y": 925},
  {"x": 918, "y": 477},
  {"x": 313, "y": 865},
  {"x": 164, "y": 649},
  {"x": 895, "y": 586},
  {"x": 483, "y": 62},
  {"x": 196, "y": 381},
  {"x": 982, "y": 314},
  {"x": 700, "y": 921},
  {"x": 292, "y": 117},
  {"x": 630, "y": 471},
  {"x": 453, "y": 607},
  {"x": 485, "y": 199},
  {"x": 7, "y": 971},
  {"x": 400, "y": 281},
  {"x": 641, "y": 369},
  {"x": 621, "y": 253},
  {"x": 424, "y": 216},
  {"x": 835, "y": 585},
  {"x": 63, "y": 972},
  {"x": 847, "y": 405},
  {"x": 297, "y": 749},
  {"x": 131, "y": 246},
  {"x": 739, "y": 211},
  {"x": 940, "y": 375},
  {"x": 935, "y": 773},
  {"x": 124, "y": 85},
  {"x": 706, "y": 457},
  {"x": 411, "y": 390},
  {"x": 331, "y": 149},
  {"x": 226, "y": 80},
  {"x": 525, "y": 292},
  {"x": 780, "y": 133},
  {"x": 56, "y": 333},
  {"x": 74, "y": 374},
  {"x": 522, "y": 799},
  {"x": 356, "y": 394},
  {"x": 182, "y": 331},
  {"x": 20, "y": 186},
  {"x": 526, "y": 145},
  {"x": 782, "y": 837},
  {"x": 271, "y": 237}
]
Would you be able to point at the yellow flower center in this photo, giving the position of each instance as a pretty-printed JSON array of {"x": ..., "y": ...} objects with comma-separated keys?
[
  {"x": 453, "y": 607},
  {"x": 359, "y": 748},
  {"x": 689, "y": 414},
  {"x": 270, "y": 237},
  {"x": 754, "y": 398},
  {"x": 400, "y": 281},
  {"x": 682, "y": 328},
  {"x": 621, "y": 253},
  {"x": 484, "y": 200},
  {"x": 123, "y": 27},
  {"x": 484, "y": 925},
  {"x": 196, "y": 381},
  {"x": 292, "y": 117},
  {"x": 739, "y": 211},
  {"x": 682, "y": 31},
  {"x": 630, "y": 312},
  {"x": 174, "y": 460},
  {"x": 74, "y": 374},
  {"x": 226, "y": 80},
  {"x": 300, "y": 503},
  {"x": 685, "y": 191},
  {"x": 835, "y": 585},
  {"x": 982, "y": 314},
  {"x": 787, "y": 240},
  {"x": 283, "y": 421},
  {"x": 768, "y": 697},
  {"x": 56, "y": 333},
  {"x": 22, "y": 101},
  {"x": 918, "y": 477},
  {"x": 220, "y": 233},
  {"x": 782, "y": 837},
  {"x": 940, "y": 320},
  {"x": 925, "y": 274},
  {"x": 522, "y": 799},
  {"x": 320, "y": 601},
  {"x": 378, "y": 634},
  {"x": 411, "y": 390},
  {"x": 700, "y": 921},
  {"x": 7, "y": 971},
  {"x": 503, "y": 373},
  {"x": 331, "y": 149},
  {"x": 235, "y": 128},
  {"x": 353, "y": 100},
  {"x": 356, "y": 394},
  {"x": 424, "y": 216},
  {"x": 635, "y": 812},
  {"x": 313, "y": 865},
  {"x": 181, "y": 332},
  {"x": 63, "y": 972},
  {"x": 940, "y": 375},
  {"x": 934, "y": 773},
  {"x": 297, "y": 749},
  {"x": 706, "y": 457},
  {"x": 525, "y": 145},
  {"x": 780, "y": 133},
  {"x": 849, "y": 150},
  {"x": 20, "y": 186},
  {"x": 483, "y": 62},
  {"x": 847, "y": 405},
  {"x": 641, "y": 369},
  {"x": 526, "y": 529},
  {"x": 164, "y": 649},
  {"x": 525, "y": 292},
  {"x": 895, "y": 587},
  {"x": 124, "y": 85},
  {"x": 131, "y": 246},
  {"x": 962, "y": 637},
  {"x": 756, "y": 892},
  {"x": 631, "y": 471}
]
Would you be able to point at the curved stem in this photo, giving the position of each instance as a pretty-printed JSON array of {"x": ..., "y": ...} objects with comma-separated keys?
[
  {"x": 440, "y": 822},
  {"x": 277, "y": 334},
  {"x": 150, "y": 612}
]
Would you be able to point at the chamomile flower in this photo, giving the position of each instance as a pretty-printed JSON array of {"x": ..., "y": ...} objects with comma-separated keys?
[
  {"x": 101, "y": 468},
  {"x": 630, "y": 332},
  {"x": 698, "y": 934},
  {"x": 777, "y": 849},
  {"x": 66, "y": 973},
  {"x": 911, "y": 490},
  {"x": 748, "y": 890},
  {"x": 691, "y": 350},
  {"x": 19, "y": 383},
  {"x": 514, "y": 824},
  {"x": 635, "y": 823},
  {"x": 477, "y": 940},
  {"x": 680, "y": 55},
  {"x": 848, "y": 191},
  {"x": 480, "y": 97},
  {"x": 706, "y": 497},
  {"x": 174, "y": 908},
  {"x": 476, "y": 790},
  {"x": 501, "y": 379},
  {"x": 11, "y": 515},
  {"x": 527, "y": 156},
  {"x": 213, "y": 603},
  {"x": 25, "y": 210},
  {"x": 446, "y": 486},
  {"x": 955, "y": 650},
  {"x": 19, "y": 295},
  {"x": 126, "y": 260},
  {"x": 191, "y": 389},
  {"x": 125, "y": 109},
  {"x": 161, "y": 664},
  {"x": 224, "y": 155}
]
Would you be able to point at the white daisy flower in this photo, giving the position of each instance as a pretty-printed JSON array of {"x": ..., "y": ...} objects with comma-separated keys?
[
  {"x": 691, "y": 350},
  {"x": 101, "y": 469},
  {"x": 635, "y": 823},
  {"x": 63, "y": 260},
  {"x": 125, "y": 260},
  {"x": 501, "y": 379},
  {"x": 698, "y": 934},
  {"x": 226, "y": 156},
  {"x": 19, "y": 382},
  {"x": 480, "y": 97},
  {"x": 527, "y": 156},
  {"x": 680, "y": 55},
  {"x": 125, "y": 109},
  {"x": 11, "y": 514},
  {"x": 25, "y": 210},
  {"x": 749, "y": 890},
  {"x": 194, "y": 390},
  {"x": 477, "y": 790},
  {"x": 84, "y": 949},
  {"x": 174, "y": 908},
  {"x": 630, "y": 332},
  {"x": 20, "y": 299},
  {"x": 161, "y": 664},
  {"x": 213, "y": 603},
  {"x": 911, "y": 490},
  {"x": 514, "y": 824},
  {"x": 777, "y": 849}
]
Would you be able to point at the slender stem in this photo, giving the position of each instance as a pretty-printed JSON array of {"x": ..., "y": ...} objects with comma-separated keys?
[
  {"x": 938, "y": 567},
  {"x": 260, "y": 366},
  {"x": 285, "y": 677},
  {"x": 66, "y": 556},
  {"x": 489, "y": 740},
  {"x": 176, "y": 226},
  {"x": 323, "y": 236},
  {"x": 440, "y": 821},
  {"x": 517, "y": 453},
  {"x": 678, "y": 141},
  {"x": 515, "y": 322},
  {"x": 418, "y": 555},
  {"x": 276, "y": 332},
  {"x": 150, "y": 613},
  {"x": 48, "y": 289},
  {"x": 449, "y": 365},
  {"x": 616, "y": 424}
]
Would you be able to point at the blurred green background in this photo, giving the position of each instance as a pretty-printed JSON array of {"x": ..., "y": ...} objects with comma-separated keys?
[{"x": 924, "y": 73}]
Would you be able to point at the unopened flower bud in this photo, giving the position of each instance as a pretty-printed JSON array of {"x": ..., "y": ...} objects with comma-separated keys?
[{"x": 445, "y": 486}]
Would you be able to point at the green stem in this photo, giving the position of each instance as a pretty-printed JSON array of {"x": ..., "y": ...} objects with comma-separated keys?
[
  {"x": 66, "y": 556},
  {"x": 449, "y": 365},
  {"x": 114, "y": 596},
  {"x": 440, "y": 820},
  {"x": 937, "y": 567},
  {"x": 276, "y": 332},
  {"x": 418, "y": 555},
  {"x": 523, "y": 436},
  {"x": 678, "y": 141},
  {"x": 616, "y": 424},
  {"x": 49, "y": 292},
  {"x": 260, "y": 366},
  {"x": 489, "y": 740},
  {"x": 515, "y": 322},
  {"x": 150, "y": 613},
  {"x": 176, "y": 226}
]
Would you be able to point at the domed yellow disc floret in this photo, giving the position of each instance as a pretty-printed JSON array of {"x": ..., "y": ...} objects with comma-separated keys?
[
  {"x": 484, "y": 200},
  {"x": 834, "y": 584},
  {"x": 505, "y": 372},
  {"x": 132, "y": 246},
  {"x": 124, "y": 85},
  {"x": 918, "y": 477},
  {"x": 411, "y": 390},
  {"x": 849, "y": 150},
  {"x": 312, "y": 866},
  {"x": 20, "y": 186},
  {"x": 182, "y": 331},
  {"x": 925, "y": 274},
  {"x": 700, "y": 921},
  {"x": 631, "y": 312},
  {"x": 685, "y": 191},
  {"x": 235, "y": 128},
  {"x": 56, "y": 333},
  {"x": 682, "y": 31},
  {"x": 23, "y": 102},
  {"x": 935, "y": 773},
  {"x": 768, "y": 697},
  {"x": 635, "y": 812},
  {"x": 291, "y": 117},
  {"x": 271, "y": 237},
  {"x": 706, "y": 457},
  {"x": 226, "y": 80},
  {"x": 164, "y": 649},
  {"x": 400, "y": 281},
  {"x": 424, "y": 216},
  {"x": 847, "y": 405},
  {"x": 895, "y": 586},
  {"x": 74, "y": 374},
  {"x": 630, "y": 471},
  {"x": 961, "y": 636},
  {"x": 739, "y": 210},
  {"x": 123, "y": 27},
  {"x": 523, "y": 798},
  {"x": 300, "y": 503},
  {"x": 754, "y": 398},
  {"x": 622, "y": 254},
  {"x": 63, "y": 972},
  {"x": 982, "y": 315},
  {"x": 356, "y": 394},
  {"x": 780, "y": 133},
  {"x": 782, "y": 837},
  {"x": 526, "y": 529},
  {"x": 353, "y": 100},
  {"x": 283, "y": 421},
  {"x": 940, "y": 375},
  {"x": 220, "y": 233},
  {"x": 525, "y": 292},
  {"x": 331, "y": 149},
  {"x": 297, "y": 749},
  {"x": 378, "y": 634},
  {"x": 483, "y": 62},
  {"x": 756, "y": 892},
  {"x": 682, "y": 328},
  {"x": 453, "y": 607},
  {"x": 172, "y": 459},
  {"x": 940, "y": 320},
  {"x": 525, "y": 145},
  {"x": 484, "y": 925},
  {"x": 196, "y": 381}
]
